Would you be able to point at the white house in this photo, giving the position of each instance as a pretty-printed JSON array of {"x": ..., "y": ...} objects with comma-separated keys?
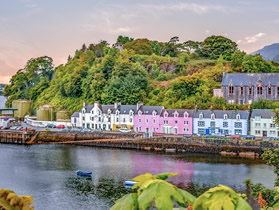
[
  {"x": 262, "y": 123},
  {"x": 75, "y": 120},
  {"x": 227, "y": 122}
]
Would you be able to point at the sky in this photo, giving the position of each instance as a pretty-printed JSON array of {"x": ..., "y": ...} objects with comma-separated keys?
[{"x": 56, "y": 28}]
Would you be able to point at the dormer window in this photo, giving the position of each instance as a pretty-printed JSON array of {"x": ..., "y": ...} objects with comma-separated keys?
[
  {"x": 238, "y": 116},
  {"x": 109, "y": 111},
  {"x": 117, "y": 112},
  {"x": 131, "y": 113},
  {"x": 250, "y": 90},
  {"x": 269, "y": 90},
  {"x": 225, "y": 116},
  {"x": 185, "y": 115},
  {"x": 165, "y": 114},
  {"x": 259, "y": 89},
  {"x": 139, "y": 113},
  {"x": 175, "y": 115},
  {"x": 83, "y": 111},
  {"x": 231, "y": 89},
  {"x": 241, "y": 90},
  {"x": 154, "y": 114},
  {"x": 201, "y": 116},
  {"x": 212, "y": 116}
]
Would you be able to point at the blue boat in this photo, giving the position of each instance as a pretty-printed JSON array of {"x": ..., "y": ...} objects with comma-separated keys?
[
  {"x": 84, "y": 174},
  {"x": 129, "y": 184}
]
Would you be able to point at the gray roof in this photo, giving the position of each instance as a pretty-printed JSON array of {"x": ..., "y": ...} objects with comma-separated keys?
[
  {"x": 180, "y": 112},
  {"x": 75, "y": 114},
  {"x": 147, "y": 110},
  {"x": 219, "y": 114},
  {"x": 250, "y": 78},
  {"x": 263, "y": 113},
  {"x": 125, "y": 109},
  {"x": 88, "y": 108},
  {"x": 105, "y": 108}
]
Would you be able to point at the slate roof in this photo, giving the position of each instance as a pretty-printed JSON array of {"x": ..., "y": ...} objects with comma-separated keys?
[
  {"x": 75, "y": 114},
  {"x": 125, "y": 109},
  {"x": 180, "y": 112},
  {"x": 105, "y": 108},
  {"x": 219, "y": 114},
  {"x": 147, "y": 110},
  {"x": 88, "y": 108},
  {"x": 250, "y": 78},
  {"x": 264, "y": 113}
]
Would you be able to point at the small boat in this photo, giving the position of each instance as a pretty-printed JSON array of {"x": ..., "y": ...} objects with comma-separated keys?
[
  {"x": 129, "y": 184},
  {"x": 84, "y": 174}
]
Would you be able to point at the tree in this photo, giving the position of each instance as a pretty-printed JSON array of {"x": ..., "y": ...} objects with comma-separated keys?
[
  {"x": 255, "y": 64},
  {"x": 237, "y": 60},
  {"x": 214, "y": 46},
  {"x": 190, "y": 46},
  {"x": 121, "y": 40},
  {"x": 140, "y": 46}
]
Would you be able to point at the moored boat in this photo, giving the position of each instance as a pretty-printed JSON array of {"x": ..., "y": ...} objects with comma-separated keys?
[
  {"x": 84, "y": 174},
  {"x": 129, "y": 184}
]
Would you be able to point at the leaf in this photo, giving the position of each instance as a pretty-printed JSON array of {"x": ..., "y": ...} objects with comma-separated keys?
[
  {"x": 165, "y": 176},
  {"x": 162, "y": 192},
  {"x": 221, "y": 198},
  {"x": 141, "y": 179},
  {"x": 188, "y": 197},
  {"x": 126, "y": 202}
]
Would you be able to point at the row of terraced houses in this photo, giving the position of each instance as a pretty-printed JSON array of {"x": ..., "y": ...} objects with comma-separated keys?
[{"x": 158, "y": 120}]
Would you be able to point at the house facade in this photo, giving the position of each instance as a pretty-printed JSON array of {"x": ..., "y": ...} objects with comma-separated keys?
[
  {"x": 227, "y": 122},
  {"x": 244, "y": 88},
  {"x": 262, "y": 123},
  {"x": 123, "y": 116},
  {"x": 176, "y": 121},
  {"x": 75, "y": 121},
  {"x": 147, "y": 119}
]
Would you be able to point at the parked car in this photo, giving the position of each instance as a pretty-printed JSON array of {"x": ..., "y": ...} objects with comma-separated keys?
[
  {"x": 42, "y": 125},
  {"x": 60, "y": 126},
  {"x": 233, "y": 137},
  {"x": 66, "y": 129},
  {"x": 13, "y": 128},
  {"x": 18, "y": 128},
  {"x": 248, "y": 137},
  {"x": 86, "y": 130},
  {"x": 75, "y": 129},
  {"x": 187, "y": 136},
  {"x": 6, "y": 128},
  {"x": 50, "y": 126},
  {"x": 124, "y": 130}
]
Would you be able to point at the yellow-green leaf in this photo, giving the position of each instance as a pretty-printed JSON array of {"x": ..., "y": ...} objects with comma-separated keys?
[
  {"x": 127, "y": 202},
  {"x": 165, "y": 176}
]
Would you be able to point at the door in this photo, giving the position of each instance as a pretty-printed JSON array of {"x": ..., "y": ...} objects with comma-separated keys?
[{"x": 264, "y": 133}]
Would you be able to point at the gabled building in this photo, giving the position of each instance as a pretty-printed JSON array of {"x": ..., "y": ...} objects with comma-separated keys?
[
  {"x": 123, "y": 116},
  {"x": 226, "y": 122},
  {"x": 176, "y": 121},
  {"x": 75, "y": 120},
  {"x": 244, "y": 88},
  {"x": 262, "y": 123},
  {"x": 147, "y": 119}
]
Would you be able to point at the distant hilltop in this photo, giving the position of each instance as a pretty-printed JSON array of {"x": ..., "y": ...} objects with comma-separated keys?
[{"x": 269, "y": 53}]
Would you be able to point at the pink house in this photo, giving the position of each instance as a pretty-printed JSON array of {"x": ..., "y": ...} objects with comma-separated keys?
[
  {"x": 176, "y": 121},
  {"x": 147, "y": 119}
]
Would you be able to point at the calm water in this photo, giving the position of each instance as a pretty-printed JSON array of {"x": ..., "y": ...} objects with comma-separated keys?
[{"x": 47, "y": 172}]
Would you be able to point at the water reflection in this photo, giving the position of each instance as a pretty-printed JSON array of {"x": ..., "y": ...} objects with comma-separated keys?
[{"x": 48, "y": 173}]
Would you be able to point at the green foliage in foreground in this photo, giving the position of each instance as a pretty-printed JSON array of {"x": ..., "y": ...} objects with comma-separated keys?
[{"x": 153, "y": 190}]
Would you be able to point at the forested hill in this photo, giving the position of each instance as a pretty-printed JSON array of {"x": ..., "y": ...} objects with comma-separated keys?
[
  {"x": 173, "y": 74},
  {"x": 269, "y": 53}
]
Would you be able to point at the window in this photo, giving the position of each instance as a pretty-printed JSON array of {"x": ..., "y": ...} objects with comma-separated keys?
[
  {"x": 225, "y": 117},
  {"x": 154, "y": 121},
  {"x": 165, "y": 122},
  {"x": 226, "y": 132},
  {"x": 201, "y": 116},
  {"x": 175, "y": 121},
  {"x": 139, "y": 113},
  {"x": 108, "y": 119},
  {"x": 272, "y": 125},
  {"x": 269, "y": 91},
  {"x": 154, "y": 129},
  {"x": 238, "y": 125},
  {"x": 154, "y": 114},
  {"x": 131, "y": 120},
  {"x": 241, "y": 91},
  {"x": 185, "y": 130},
  {"x": 83, "y": 118},
  {"x": 272, "y": 132},
  {"x": 259, "y": 90},
  {"x": 99, "y": 119},
  {"x": 225, "y": 124},
  {"x": 117, "y": 119},
  {"x": 231, "y": 90},
  {"x": 212, "y": 130},
  {"x": 146, "y": 121},
  {"x": 201, "y": 131},
  {"x": 117, "y": 112},
  {"x": 238, "y": 117},
  {"x": 257, "y": 132},
  {"x": 257, "y": 125},
  {"x": 175, "y": 115},
  {"x": 212, "y": 116},
  {"x": 201, "y": 123},
  {"x": 139, "y": 128},
  {"x": 185, "y": 122},
  {"x": 238, "y": 132},
  {"x": 250, "y": 91},
  {"x": 165, "y": 115},
  {"x": 264, "y": 125},
  {"x": 212, "y": 124},
  {"x": 139, "y": 120},
  {"x": 131, "y": 113}
]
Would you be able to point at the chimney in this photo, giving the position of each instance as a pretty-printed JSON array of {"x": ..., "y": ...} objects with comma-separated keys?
[
  {"x": 116, "y": 104},
  {"x": 96, "y": 104},
  {"x": 84, "y": 104},
  {"x": 139, "y": 105}
]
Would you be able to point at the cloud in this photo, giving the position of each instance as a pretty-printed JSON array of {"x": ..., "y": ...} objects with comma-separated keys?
[
  {"x": 121, "y": 30},
  {"x": 195, "y": 8},
  {"x": 251, "y": 39}
]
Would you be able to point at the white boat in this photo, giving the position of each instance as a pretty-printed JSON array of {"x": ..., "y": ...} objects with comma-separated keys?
[{"x": 124, "y": 130}]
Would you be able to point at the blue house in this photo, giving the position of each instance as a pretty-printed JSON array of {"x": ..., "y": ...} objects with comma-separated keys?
[{"x": 226, "y": 122}]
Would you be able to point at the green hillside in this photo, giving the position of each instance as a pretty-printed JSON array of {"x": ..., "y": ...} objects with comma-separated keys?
[{"x": 173, "y": 74}]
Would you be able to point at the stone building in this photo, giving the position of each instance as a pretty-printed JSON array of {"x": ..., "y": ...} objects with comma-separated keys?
[{"x": 244, "y": 88}]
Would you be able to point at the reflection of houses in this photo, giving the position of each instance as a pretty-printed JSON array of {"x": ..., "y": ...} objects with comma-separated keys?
[
  {"x": 147, "y": 119},
  {"x": 123, "y": 116},
  {"x": 244, "y": 88},
  {"x": 228, "y": 122},
  {"x": 262, "y": 123},
  {"x": 176, "y": 121}
]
